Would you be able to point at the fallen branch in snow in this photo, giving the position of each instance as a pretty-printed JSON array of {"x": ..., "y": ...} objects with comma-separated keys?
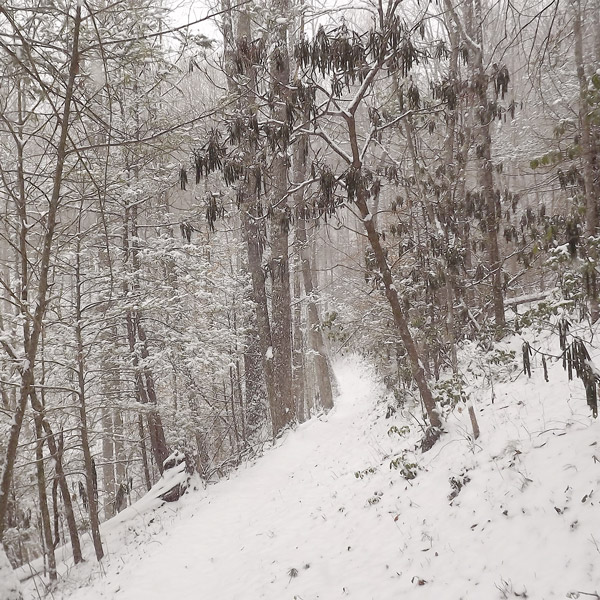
[{"x": 526, "y": 298}]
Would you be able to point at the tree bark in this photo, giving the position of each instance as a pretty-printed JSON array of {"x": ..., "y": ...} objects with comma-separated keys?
[
  {"x": 283, "y": 411},
  {"x": 144, "y": 453},
  {"x": 325, "y": 376}
]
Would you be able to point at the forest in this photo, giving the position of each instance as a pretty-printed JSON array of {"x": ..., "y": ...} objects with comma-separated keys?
[{"x": 199, "y": 216}]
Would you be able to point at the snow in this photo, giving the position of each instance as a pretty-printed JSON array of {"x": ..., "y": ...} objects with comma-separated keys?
[
  {"x": 9, "y": 586},
  {"x": 332, "y": 511},
  {"x": 112, "y": 530}
]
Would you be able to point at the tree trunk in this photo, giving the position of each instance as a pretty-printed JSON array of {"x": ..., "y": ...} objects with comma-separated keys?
[
  {"x": 253, "y": 238},
  {"x": 121, "y": 457},
  {"x": 155, "y": 426},
  {"x": 587, "y": 156},
  {"x": 283, "y": 411},
  {"x": 56, "y": 452},
  {"x": 325, "y": 376},
  {"x": 470, "y": 32},
  {"x": 253, "y": 372},
  {"x": 138, "y": 347},
  {"x": 43, "y": 497},
  {"x": 144, "y": 453},
  {"x": 90, "y": 469},
  {"x": 486, "y": 174},
  {"x": 390, "y": 289},
  {"x": 451, "y": 174},
  {"x": 323, "y": 371},
  {"x": 253, "y": 233},
  {"x": 108, "y": 465},
  {"x": 398, "y": 314},
  {"x": 299, "y": 375}
]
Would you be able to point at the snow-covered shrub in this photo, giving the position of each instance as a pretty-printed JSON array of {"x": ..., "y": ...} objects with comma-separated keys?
[
  {"x": 538, "y": 316},
  {"x": 408, "y": 469},
  {"x": 450, "y": 392}
]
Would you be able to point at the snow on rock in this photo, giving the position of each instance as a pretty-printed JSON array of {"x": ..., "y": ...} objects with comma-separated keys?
[
  {"x": 346, "y": 508},
  {"x": 9, "y": 584}
]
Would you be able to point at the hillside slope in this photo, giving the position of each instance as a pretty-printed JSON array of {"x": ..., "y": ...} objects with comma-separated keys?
[{"x": 334, "y": 511}]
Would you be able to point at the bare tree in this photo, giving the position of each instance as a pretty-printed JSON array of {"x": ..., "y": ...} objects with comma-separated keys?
[{"x": 35, "y": 293}]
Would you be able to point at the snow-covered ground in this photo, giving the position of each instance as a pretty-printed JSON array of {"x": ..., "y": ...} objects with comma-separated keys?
[{"x": 332, "y": 512}]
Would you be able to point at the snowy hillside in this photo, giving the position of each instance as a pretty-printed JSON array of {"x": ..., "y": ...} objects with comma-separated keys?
[{"x": 344, "y": 507}]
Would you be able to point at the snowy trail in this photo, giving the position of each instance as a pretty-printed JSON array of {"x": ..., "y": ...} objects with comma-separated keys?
[
  {"x": 329, "y": 513},
  {"x": 273, "y": 531}
]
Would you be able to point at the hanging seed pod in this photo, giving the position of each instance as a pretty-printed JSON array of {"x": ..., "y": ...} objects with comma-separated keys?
[
  {"x": 578, "y": 358},
  {"x": 83, "y": 495},
  {"x": 575, "y": 358},
  {"x": 327, "y": 186},
  {"x": 583, "y": 361},
  {"x": 198, "y": 166},
  {"x": 501, "y": 80},
  {"x": 527, "y": 359},
  {"x": 545, "y": 369},
  {"x": 353, "y": 181},
  {"x": 414, "y": 97},
  {"x": 592, "y": 397},
  {"x": 563, "y": 328},
  {"x": 214, "y": 151}
]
